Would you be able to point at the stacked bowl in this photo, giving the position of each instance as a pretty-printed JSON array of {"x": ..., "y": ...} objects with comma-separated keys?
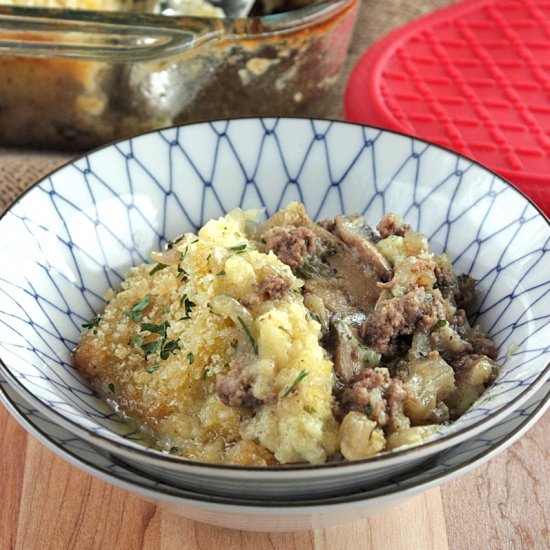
[{"x": 74, "y": 234}]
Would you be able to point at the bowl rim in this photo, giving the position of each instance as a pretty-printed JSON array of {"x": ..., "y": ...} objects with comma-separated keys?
[
  {"x": 124, "y": 447},
  {"x": 221, "y": 503}
]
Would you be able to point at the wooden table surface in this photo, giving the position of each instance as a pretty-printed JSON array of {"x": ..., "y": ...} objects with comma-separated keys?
[{"x": 46, "y": 503}]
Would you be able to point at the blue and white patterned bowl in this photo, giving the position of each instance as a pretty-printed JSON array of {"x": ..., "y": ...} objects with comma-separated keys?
[
  {"x": 74, "y": 235},
  {"x": 257, "y": 515}
]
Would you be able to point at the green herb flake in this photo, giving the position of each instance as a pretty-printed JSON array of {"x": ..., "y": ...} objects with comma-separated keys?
[
  {"x": 168, "y": 347},
  {"x": 152, "y": 368},
  {"x": 111, "y": 387},
  {"x": 137, "y": 341},
  {"x": 182, "y": 274},
  {"x": 237, "y": 248},
  {"x": 440, "y": 324},
  {"x": 307, "y": 271},
  {"x": 151, "y": 347},
  {"x": 220, "y": 273},
  {"x": 315, "y": 317},
  {"x": 188, "y": 305},
  {"x": 368, "y": 410},
  {"x": 302, "y": 374},
  {"x": 174, "y": 450},
  {"x": 207, "y": 373},
  {"x": 256, "y": 440},
  {"x": 92, "y": 323},
  {"x": 190, "y": 358},
  {"x": 171, "y": 244},
  {"x": 135, "y": 312},
  {"x": 155, "y": 329},
  {"x": 248, "y": 335},
  {"x": 158, "y": 267}
]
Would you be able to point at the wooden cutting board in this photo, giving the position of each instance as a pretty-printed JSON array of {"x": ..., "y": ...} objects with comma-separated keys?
[{"x": 46, "y": 503}]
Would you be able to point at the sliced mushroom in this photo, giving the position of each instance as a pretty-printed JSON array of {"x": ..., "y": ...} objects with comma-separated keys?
[
  {"x": 356, "y": 233},
  {"x": 350, "y": 356}
]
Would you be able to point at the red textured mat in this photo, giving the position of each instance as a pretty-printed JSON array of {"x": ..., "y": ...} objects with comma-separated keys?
[{"x": 474, "y": 77}]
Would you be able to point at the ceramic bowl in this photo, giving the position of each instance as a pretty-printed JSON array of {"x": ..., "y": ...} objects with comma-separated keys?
[
  {"x": 75, "y": 233},
  {"x": 258, "y": 515}
]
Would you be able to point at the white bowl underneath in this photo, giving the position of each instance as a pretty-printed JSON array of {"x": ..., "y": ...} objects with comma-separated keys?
[{"x": 258, "y": 515}]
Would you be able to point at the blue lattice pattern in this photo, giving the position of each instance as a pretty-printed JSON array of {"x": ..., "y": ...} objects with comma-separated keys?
[{"x": 74, "y": 235}]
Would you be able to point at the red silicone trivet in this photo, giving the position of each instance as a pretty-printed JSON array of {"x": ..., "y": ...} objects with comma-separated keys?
[{"x": 474, "y": 77}]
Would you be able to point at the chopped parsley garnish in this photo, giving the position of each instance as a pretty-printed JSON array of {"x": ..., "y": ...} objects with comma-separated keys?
[
  {"x": 307, "y": 271},
  {"x": 207, "y": 373},
  {"x": 182, "y": 274},
  {"x": 167, "y": 347},
  {"x": 440, "y": 324},
  {"x": 302, "y": 374},
  {"x": 164, "y": 346},
  {"x": 158, "y": 267},
  {"x": 237, "y": 248},
  {"x": 156, "y": 329},
  {"x": 151, "y": 347},
  {"x": 222, "y": 272},
  {"x": 137, "y": 341},
  {"x": 315, "y": 317},
  {"x": 248, "y": 335},
  {"x": 171, "y": 244},
  {"x": 92, "y": 323},
  {"x": 111, "y": 387},
  {"x": 135, "y": 312},
  {"x": 188, "y": 305},
  {"x": 152, "y": 368},
  {"x": 190, "y": 358},
  {"x": 368, "y": 410},
  {"x": 174, "y": 450}
]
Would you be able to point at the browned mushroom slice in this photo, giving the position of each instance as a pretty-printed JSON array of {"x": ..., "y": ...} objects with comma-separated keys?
[
  {"x": 350, "y": 356},
  {"x": 356, "y": 233}
]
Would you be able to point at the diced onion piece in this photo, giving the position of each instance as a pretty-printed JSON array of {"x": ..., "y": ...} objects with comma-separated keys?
[
  {"x": 411, "y": 436},
  {"x": 226, "y": 306},
  {"x": 431, "y": 380},
  {"x": 166, "y": 257},
  {"x": 359, "y": 437}
]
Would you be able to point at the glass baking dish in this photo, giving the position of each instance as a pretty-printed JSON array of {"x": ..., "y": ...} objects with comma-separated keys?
[{"x": 74, "y": 79}]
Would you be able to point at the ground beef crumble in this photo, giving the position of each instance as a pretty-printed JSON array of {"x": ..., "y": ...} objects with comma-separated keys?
[
  {"x": 235, "y": 388},
  {"x": 416, "y": 311},
  {"x": 391, "y": 224},
  {"x": 274, "y": 287},
  {"x": 377, "y": 395},
  {"x": 292, "y": 245}
]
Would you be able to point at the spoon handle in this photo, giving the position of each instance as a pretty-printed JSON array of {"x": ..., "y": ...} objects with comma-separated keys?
[{"x": 103, "y": 36}]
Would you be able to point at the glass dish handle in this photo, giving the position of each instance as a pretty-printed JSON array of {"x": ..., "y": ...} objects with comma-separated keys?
[{"x": 102, "y": 36}]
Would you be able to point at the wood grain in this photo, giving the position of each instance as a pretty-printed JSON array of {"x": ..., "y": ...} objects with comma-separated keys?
[{"x": 49, "y": 504}]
